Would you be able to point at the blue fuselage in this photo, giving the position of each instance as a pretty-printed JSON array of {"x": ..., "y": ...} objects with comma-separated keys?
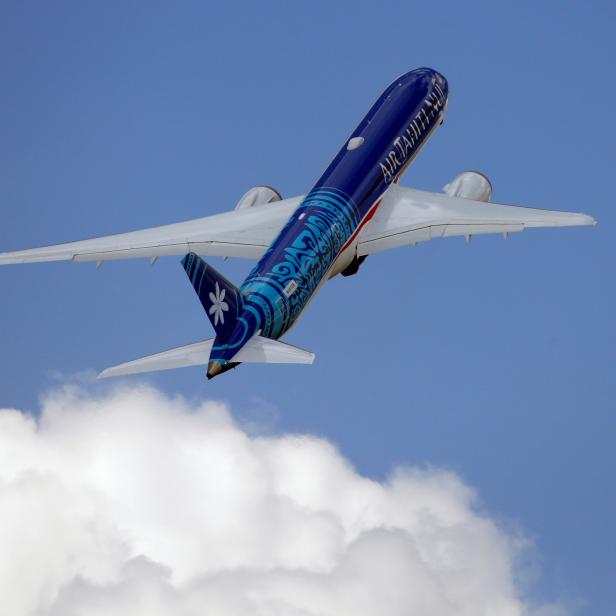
[{"x": 326, "y": 224}]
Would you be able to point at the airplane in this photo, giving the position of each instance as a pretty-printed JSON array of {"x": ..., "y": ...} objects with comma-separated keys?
[{"x": 356, "y": 209}]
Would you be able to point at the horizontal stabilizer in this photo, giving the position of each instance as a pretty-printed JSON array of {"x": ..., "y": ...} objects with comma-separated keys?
[{"x": 257, "y": 350}]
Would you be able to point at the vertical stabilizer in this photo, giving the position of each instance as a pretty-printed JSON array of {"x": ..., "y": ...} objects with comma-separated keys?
[{"x": 221, "y": 300}]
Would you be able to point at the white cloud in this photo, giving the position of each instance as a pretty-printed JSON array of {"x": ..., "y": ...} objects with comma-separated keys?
[{"x": 137, "y": 503}]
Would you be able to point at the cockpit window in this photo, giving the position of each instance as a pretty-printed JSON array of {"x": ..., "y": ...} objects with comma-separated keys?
[{"x": 355, "y": 143}]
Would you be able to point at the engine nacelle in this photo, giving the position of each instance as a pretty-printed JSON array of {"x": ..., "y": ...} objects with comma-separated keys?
[
  {"x": 259, "y": 195},
  {"x": 470, "y": 185}
]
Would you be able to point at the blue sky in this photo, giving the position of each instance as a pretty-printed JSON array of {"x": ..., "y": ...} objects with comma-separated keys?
[{"x": 495, "y": 359}]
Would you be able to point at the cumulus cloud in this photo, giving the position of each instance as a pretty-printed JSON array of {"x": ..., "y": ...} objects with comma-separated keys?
[{"x": 137, "y": 503}]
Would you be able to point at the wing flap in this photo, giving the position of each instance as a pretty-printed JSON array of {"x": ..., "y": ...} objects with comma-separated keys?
[
  {"x": 409, "y": 216},
  {"x": 257, "y": 350},
  {"x": 204, "y": 249}
]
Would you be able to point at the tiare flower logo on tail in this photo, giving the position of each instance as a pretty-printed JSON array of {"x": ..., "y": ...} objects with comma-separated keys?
[{"x": 219, "y": 306}]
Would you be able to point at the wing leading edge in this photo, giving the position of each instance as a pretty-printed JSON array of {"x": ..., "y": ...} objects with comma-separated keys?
[
  {"x": 239, "y": 233},
  {"x": 409, "y": 216}
]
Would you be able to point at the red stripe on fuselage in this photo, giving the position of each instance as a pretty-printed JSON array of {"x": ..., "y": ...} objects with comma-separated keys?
[{"x": 369, "y": 214}]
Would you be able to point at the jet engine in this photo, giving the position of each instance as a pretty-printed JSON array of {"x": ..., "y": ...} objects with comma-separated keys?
[
  {"x": 470, "y": 185},
  {"x": 259, "y": 195}
]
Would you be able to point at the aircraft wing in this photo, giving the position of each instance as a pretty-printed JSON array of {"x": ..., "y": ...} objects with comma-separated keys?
[
  {"x": 238, "y": 233},
  {"x": 257, "y": 350},
  {"x": 409, "y": 216}
]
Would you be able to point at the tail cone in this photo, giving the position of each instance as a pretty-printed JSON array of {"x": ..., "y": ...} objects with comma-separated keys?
[{"x": 214, "y": 368}]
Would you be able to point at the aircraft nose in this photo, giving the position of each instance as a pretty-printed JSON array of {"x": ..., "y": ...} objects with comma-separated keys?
[
  {"x": 440, "y": 83},
  {"x": 441, "y": 80},
  {"x": 428, "y": 80}
]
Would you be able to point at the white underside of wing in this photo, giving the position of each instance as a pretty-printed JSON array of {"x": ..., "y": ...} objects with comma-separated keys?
[
  {"x": 239, "y": 233},
  {"x": 409, "y": 216},
  {"x": 406, "y": 216},
  {"x": 257, "y": 350}
]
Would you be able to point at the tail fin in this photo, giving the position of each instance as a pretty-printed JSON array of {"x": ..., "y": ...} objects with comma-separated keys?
[{"x": 221, "y": 300}]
